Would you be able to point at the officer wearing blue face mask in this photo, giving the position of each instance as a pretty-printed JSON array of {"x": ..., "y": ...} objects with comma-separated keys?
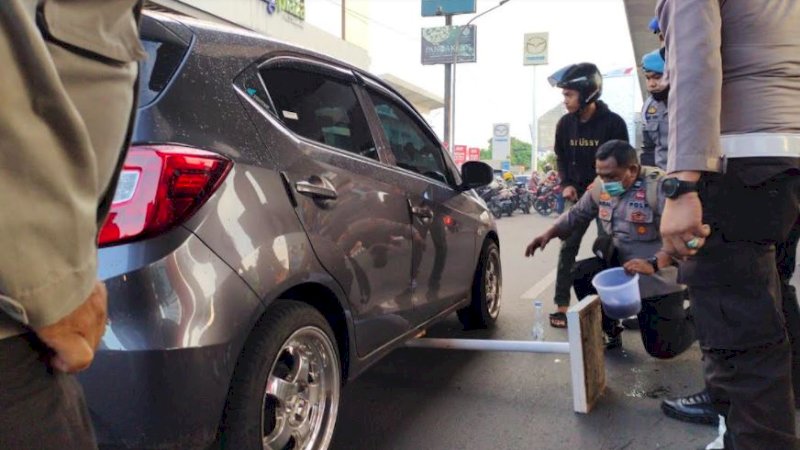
[{"x": 626, "y": 198}]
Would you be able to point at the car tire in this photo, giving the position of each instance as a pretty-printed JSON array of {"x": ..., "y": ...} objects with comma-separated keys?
[
  {"x": 287, "y": 383},
  {"x": 484, "y": 305}
]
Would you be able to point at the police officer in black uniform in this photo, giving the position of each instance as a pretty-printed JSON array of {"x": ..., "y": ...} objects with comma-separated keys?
[{"x": 734, "y": 195}]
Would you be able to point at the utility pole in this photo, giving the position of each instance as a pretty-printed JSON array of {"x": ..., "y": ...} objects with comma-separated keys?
[
  {"x": 448, "y": 94},
  {"x": 534, "y": 130},
  {"x": 344, "y": 20},
  {"x": 450, "y": 122}
]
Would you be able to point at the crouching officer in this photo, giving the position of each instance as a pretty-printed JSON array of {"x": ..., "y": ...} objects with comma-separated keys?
[{"x": 627, "y": 200}]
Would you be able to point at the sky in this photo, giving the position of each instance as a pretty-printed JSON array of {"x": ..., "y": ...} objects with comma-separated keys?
[{"x": 498, "y": 87}]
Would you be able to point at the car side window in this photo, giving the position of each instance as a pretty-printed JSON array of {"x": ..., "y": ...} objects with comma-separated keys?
[
  {"x": 413, "y": 149},
  {"x": 321, "y": 108}
]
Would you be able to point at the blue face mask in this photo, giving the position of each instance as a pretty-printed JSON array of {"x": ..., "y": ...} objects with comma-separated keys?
[{"x": 614, "y": 188}]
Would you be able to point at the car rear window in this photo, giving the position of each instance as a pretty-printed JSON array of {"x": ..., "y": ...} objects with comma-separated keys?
[
  {"x": 155, "y": 71},
  {"x": 320, "y": 108}
]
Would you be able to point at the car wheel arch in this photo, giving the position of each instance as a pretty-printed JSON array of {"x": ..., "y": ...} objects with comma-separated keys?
[{"x": 325, "y": 301}]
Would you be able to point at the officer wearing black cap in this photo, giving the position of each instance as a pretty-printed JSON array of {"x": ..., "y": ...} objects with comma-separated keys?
[{"x": 587, "y": 125}]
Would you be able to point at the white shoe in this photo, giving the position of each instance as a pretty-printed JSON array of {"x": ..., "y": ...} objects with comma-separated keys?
[{"x": 719, "y": 442}]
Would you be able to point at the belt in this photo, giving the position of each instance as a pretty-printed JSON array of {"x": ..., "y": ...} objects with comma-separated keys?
[{"x": 759, "y": 145}]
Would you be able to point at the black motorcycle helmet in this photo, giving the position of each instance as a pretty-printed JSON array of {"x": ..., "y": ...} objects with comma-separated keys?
[{"x": 582, "y": 77}]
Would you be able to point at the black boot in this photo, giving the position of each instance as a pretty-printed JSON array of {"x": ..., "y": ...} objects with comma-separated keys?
[
  {"x": 695, "y": 408},
  {"x": 613, "y": 338}
]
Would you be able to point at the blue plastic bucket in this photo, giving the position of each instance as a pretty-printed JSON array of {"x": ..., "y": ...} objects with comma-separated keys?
[{"x": 619, "y": 292}]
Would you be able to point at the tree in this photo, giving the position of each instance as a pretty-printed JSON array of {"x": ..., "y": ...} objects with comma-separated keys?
[
  {"x": 520, "y": 153},
  {"x": 549, "y": 159},
  {"x": 486, "y": 153}
]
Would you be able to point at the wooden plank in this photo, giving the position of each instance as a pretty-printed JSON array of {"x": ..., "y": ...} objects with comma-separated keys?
[{"x": 587, "y": 356}]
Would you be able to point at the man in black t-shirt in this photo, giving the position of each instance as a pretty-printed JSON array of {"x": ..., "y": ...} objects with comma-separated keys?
[{"x": 587, "y": 125}]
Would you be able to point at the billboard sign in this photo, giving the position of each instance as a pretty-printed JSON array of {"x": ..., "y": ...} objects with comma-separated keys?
[
  {"x": 439, "y": 44},
  {"x": 474, "y": 154},
  {"x": 432, "y": 8}
]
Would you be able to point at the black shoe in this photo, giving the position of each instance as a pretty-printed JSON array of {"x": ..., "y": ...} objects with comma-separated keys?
[
  {"x": 612, "y": 342},
  {"x": 695, "y": 408}
]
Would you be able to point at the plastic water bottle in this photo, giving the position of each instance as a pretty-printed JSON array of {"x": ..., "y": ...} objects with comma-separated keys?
[{"x": 538, "y": 321}]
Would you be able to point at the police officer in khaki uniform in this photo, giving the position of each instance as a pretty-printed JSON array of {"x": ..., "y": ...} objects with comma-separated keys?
[
  {"x": 626, "y": 199},
  {"x": 66, "y": 103},
  {"x": 734, "y": 153}
]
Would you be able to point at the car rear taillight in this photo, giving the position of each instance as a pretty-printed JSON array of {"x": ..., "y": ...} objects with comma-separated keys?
[{"x": 160, "y": 186}]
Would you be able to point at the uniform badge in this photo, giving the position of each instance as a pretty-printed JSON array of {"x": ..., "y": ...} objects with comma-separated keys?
[
  {"x": 641, "y": 229},
  {"x": 605, "y": 197},
  {"x": 638, "y": 217},
  {"x": 652, "y": 110},
  {"x": 638, "y": 213},
  {"x": 604, "y": 213},
  {"x": 640, "y": 195}
]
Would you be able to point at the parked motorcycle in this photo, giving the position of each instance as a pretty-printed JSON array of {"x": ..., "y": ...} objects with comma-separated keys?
[
  {"x": 498, "y": 199},
  {"x": 548, "y": 200},
  {"x": 523, "y": 198}
]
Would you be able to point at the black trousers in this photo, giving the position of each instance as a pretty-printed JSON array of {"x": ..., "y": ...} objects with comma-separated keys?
[
  {"x": 738, "y": 305},
  {"x": 785, "y": 254},
  {"x": 39, "y": 409},
  {"x": 664, "y": 324}
]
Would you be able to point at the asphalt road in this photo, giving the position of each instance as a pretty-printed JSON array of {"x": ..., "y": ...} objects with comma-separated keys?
[{"x": 446, "y": 399}]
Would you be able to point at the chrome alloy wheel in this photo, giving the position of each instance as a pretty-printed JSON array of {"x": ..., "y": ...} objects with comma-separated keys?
[
  {"x": 301, "y": 398},
  {"x": 492, "y": 284}
]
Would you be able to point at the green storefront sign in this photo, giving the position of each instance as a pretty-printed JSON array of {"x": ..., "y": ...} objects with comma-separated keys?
[{"x": 296, "y": 8}]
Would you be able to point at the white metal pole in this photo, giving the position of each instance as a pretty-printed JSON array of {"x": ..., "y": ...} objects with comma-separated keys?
[{"x": 491, "y": 345}]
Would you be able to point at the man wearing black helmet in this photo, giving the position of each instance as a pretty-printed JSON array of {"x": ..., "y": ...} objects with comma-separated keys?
[{"x": 587, "y": 125}]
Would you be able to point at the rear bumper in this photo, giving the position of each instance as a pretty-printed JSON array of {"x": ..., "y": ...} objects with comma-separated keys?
[
  {"x": 178, "y": 317},
  {"x": 158, "y": 399}
]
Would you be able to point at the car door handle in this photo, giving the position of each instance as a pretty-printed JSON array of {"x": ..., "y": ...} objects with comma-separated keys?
[{"x": 324, "y": 191}]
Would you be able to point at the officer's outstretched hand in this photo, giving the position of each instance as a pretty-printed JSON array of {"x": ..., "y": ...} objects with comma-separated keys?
[
  {"x": 540, "y": 242},
  {"x": 682, "y": 228},
  {"x": 641, "y": 266}
]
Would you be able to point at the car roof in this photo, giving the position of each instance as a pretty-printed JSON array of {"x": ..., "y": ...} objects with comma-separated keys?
[{"x": 252, "y": 46}]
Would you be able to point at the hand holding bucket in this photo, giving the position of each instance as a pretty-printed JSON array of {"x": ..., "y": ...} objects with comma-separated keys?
[{"x": 619, "y": 292}]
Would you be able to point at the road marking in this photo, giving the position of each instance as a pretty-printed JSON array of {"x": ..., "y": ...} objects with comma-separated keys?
[{"x": 539, "y": 287}]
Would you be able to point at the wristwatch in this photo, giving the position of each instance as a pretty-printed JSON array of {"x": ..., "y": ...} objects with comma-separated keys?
[
  {"x": 674, "y": 188},
  {"x": 653, "y": 260}
]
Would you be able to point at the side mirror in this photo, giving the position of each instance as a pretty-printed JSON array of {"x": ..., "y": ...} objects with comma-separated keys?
[{"x": 476, "y": 174}]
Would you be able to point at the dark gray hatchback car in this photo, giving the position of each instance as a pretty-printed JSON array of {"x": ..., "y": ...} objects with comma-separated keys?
[{"x": 283, "y": 220}]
